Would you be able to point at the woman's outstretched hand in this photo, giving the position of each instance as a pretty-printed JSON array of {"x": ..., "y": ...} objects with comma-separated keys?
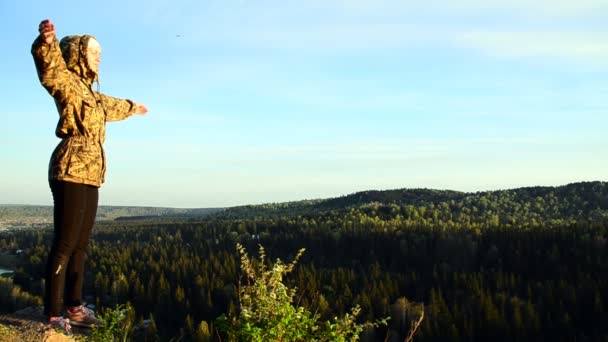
[
  {"x": 140, "y": 109},
  {"x": 47, "y": 30}
]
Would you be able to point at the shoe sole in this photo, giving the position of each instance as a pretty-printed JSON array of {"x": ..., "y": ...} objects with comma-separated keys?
[{"x": 82, "y": 325}]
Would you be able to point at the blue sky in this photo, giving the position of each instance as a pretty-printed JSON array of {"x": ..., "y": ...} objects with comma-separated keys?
[{"x": 272, "y": 101}]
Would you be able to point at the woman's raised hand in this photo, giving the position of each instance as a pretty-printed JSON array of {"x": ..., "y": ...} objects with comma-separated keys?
[{"x": 47, "y": 30}]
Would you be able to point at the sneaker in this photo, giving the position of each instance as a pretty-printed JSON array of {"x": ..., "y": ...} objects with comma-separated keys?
[
  {"x": 82, "y": 317},
  {"x": 61, "y": 324}
]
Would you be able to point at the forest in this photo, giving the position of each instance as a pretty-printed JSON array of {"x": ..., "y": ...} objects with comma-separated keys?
[
  {"x": 44, "y": 213},
  {"x": 524, "y": 264}
]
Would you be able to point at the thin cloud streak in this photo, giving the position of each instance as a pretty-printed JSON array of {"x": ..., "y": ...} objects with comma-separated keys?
[
  {"x": 550, "y": 8},
  {"x": 580, "y": 47},
  {"x": 360, "y": 150}
]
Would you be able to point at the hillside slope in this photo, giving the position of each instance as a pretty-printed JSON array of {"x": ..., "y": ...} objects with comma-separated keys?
[{"x": 575, "y": 201}]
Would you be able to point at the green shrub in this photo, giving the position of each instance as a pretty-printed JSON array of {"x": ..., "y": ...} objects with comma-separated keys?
[
  {"x": 267, "y": 312},
  {"x": 117, "y": 324}
]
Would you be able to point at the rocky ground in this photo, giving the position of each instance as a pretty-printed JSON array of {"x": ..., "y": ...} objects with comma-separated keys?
[{"x": 28, "y": 325}]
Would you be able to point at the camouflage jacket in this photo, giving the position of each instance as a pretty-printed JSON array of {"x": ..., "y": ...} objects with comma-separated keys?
[{"x": 83, "y": 112}]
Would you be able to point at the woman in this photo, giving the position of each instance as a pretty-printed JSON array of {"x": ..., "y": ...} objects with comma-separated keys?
[{"x": 67, "y": 70}]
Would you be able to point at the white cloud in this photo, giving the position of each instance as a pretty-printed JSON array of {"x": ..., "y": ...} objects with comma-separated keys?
[
  {"x": 582, "y": 47},
  {"x": 363, "y": 25},
  {"x": 390, "y": 7},
  {"x": 562, "y": 8}
]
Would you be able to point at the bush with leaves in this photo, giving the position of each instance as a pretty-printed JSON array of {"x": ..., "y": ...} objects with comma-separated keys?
[
  {"x": 267, "y": 312},
  {"x": 117, "y": 324}
]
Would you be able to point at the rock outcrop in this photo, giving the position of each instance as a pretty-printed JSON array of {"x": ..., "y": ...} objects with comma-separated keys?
[{"x": 29, "y": 325}]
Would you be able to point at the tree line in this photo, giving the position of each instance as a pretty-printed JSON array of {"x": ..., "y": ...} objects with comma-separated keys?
[{"x": 486, "y": 266}]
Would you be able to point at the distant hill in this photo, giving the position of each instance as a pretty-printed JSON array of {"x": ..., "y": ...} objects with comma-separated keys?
[
  {"x": 575, "y": 201},
  {"x": 42, "y": 213}
]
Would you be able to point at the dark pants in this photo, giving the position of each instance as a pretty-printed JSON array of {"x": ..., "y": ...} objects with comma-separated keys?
[{"x": 75, "y": 207}]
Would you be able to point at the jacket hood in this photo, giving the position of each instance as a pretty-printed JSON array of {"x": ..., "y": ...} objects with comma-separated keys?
[{"x": 74, "y": 51}]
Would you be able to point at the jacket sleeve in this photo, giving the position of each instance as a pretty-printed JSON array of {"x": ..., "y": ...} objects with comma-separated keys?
[
  {"x": 52, "y": 70},
  {"x": 116, "y": 109}
]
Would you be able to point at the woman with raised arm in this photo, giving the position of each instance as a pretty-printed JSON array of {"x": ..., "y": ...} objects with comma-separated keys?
[{"x": 67, "y": 70}]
